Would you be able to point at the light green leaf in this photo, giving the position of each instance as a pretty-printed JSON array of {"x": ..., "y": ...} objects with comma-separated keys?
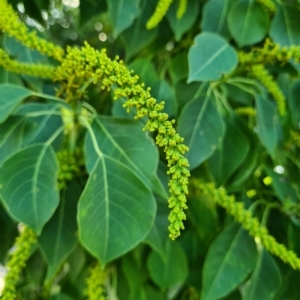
[
  {"x": 58, "y": 238},
  {"x": 115, "y": 210},
  {"x": 248, "y": 22},
  {"x": 267, "y": 121},
  {"x": 229, "y": 155},
  {"x": 137, "y": 37},
  {"x": 125, "y": 141},
  {"x": 164, "y": 272},
  {"x": 230, "y": 259},
  {"x": 202, "y": 129},
  {"x": 265, "y": 280},
  {"x": 284, "y": 29},
  {"x": 210, "y": 58},
  {"x": 10, "y": 97},
  {"x": 28, "y": 185},
  {"x": 215, "y": 17},
  {"x": 122, "y": 14},
  {"x": 182, "y": 25}
]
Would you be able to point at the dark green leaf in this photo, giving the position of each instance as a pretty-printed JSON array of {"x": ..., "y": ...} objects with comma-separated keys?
[
  {"x": 210, "y": 58},
  {"x": 115, "y": 211},
  {"x": 215, "y": 17},
  {"x": 284, "y": 29},
  {"x": 267, "y": 121},
  {"x": 164, "y": 272},
  {"x": 182, "y": 25},
  {"x": 28, "y": 185},
  {"x": 294, "y": 103},
  {"x": 248, "y": 22},
  {"x": 202, "y": 128},
  {"x": 122, "y": 14},
  {"x": 265, "y": 280},
  {"x": 229, "y": 261},
  {"x": 10, "y": 97},
  {"x": 58, "y": 237}
]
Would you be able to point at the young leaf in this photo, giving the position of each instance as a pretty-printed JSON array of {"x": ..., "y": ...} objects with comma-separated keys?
[
  {"x": 28, "y": 185},
  {"x": 202, "y": 129},
  {"x": 10, "y": 97},
  {"x": 229, "y": 261},
  {"x": 248, "y": 22},
  {"x": 267, "y": 121},
  {"x": 284, "y": 29},
  {"x": 182, "y": 25},
  {"x": 122, "y": 14},
  {"x": 210, "y": 58},
  {"x": 58, "y": 238},
  {"x": 215, "y": 17},
  {"x": 265, "y": 280},
  {"x": 116, "y": 210},
  {"x": 164, "y": 272}
]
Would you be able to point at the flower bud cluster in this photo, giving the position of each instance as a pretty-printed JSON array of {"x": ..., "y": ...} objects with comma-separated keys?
[
  {"x": 10, "y": 24},
  {"x": 37, "y": 70},
  {"x": 17, "y": 262},
  {"x": 88, "y": 63},
  {"x": 262, "y": 75},
  {"x": 246, "y": 111},
  {"x": 71, "y": 165},
  {"x": 248, "y": 222},
  {"x": 95, "y": 289},
  {"x": 181, "y": 9},
  {"x": 160, "y": 11}
]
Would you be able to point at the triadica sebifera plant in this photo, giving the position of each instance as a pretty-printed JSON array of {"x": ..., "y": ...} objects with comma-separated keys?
[
  {"x": 99, "y": 175},
  {"x": 76, "y": 68}
]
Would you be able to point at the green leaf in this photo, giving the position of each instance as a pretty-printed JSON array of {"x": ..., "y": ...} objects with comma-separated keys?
[
  {"x": 229, "y": 155},
  {"x": 182, "y": 25},
  {"x": 248, "y": 22},
  {"x": 284, "y": 29},
  {"x": 125, "y": 141},
  {"x": 10, "y": 97},
  {"x": 230, "y": 259},
  {"x": 210, "y": 58},
  {"x": 179, "y": 67},
  {"x": 265, "y": 280},
  {"x": 28, "y": 185},
  {"x": 58, "y": 238},
  {"x": 122, "y": 14},
  {"x": 115, "y": 210},
  {"x": 294, "y": 103},
  {"x": 164, "y": 272},
  {"x": 202, "y": 129},
  {"x": 215, "y": 17},
  {"x": 267, "y": 121},
  {"x": 137, "y": 36}
]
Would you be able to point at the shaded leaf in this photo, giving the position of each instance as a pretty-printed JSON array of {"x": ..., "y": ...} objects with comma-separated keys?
[
  {"x": 210, "y": 58},
  {"x": 230, "y": 259},
  {"x": 202, "y": 128}
]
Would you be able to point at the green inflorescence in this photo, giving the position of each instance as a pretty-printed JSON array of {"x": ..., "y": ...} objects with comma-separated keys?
[
  {"x": 95, "y": 289},
  {"x": 181, "y": 9},
  {"x": 160, "y": 11},
  {"x": 248, "y": 222},
  {"x": 246, "y": 111},
  {"x": 10, "y": 24},
  {"x": 90, "y": 64},
  {"x": 37, "y": 70},
  {"x": 262, "y": 75},
  {"x": 17, "y": 262}
]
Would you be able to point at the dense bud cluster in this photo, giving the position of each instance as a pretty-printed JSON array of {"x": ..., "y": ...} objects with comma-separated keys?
[
  {"x": 262, "y": 75},
  {"x": 88, "y": 63},
  {"x": 71, "y": 164},
  {"x": 181, "y": 8},
  {"x": 17, "y": 262},
  {"x": 95, "y": 289},
  {"x": 246, "y": 111},
  {"x": 41, "y": 71},
  {"x": 10, "y": 24},
  {"x": 161, "y": 9},
  {"x": 248, "y": 222}
]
